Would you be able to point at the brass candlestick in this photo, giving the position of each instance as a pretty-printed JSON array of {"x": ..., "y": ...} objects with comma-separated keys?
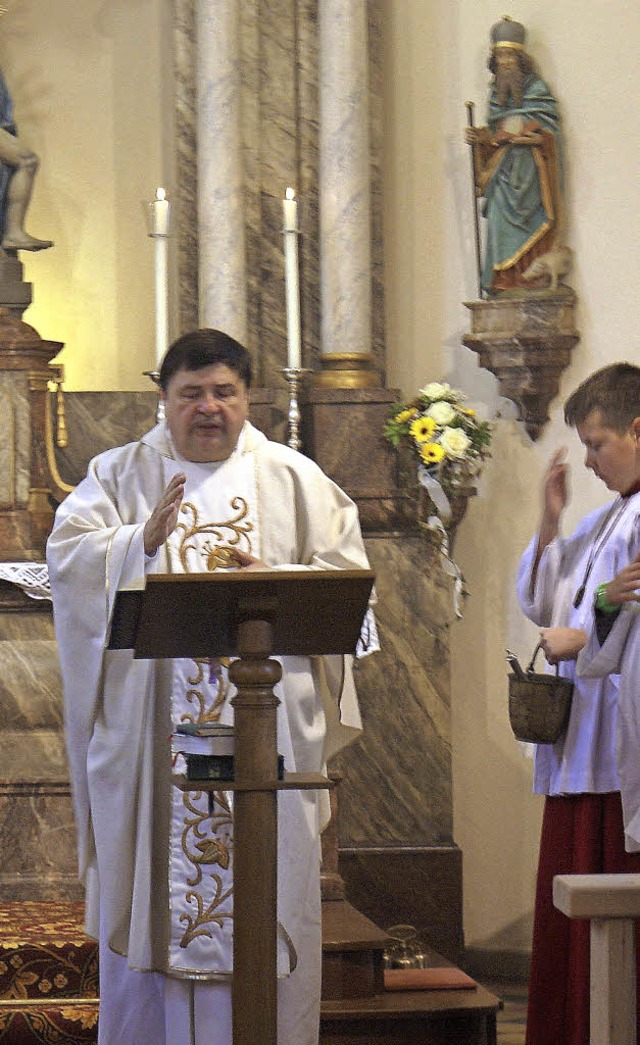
[
  {"x": 294, "y": 375},
  {"x": 155, "y": 377}
]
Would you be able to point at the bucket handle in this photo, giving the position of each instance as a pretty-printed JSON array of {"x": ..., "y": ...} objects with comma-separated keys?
[{"x": 530, "y": 667}]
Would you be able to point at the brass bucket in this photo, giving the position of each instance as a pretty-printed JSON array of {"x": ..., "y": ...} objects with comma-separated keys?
[{"x": 539, "y": 704}]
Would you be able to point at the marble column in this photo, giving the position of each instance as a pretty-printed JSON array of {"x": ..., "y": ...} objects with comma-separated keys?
[
  {"x": 345, "y": 204},
  {"x": 296, "y": 60},
  {"x": 222, "y": 275},
  {"x": 186, "y": 227}
]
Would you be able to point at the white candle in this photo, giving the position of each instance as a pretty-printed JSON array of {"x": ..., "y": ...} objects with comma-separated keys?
[
  {"x": 290, "y": 230},
  {"x": 162, "y": 300},
  {"x": 290, "y": 211},
  {"x": 160, "y": 213},
  {"x": 160, "y": 208}
]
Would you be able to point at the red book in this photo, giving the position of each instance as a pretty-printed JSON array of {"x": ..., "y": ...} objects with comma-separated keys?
[{"x": 445, "y": 978}]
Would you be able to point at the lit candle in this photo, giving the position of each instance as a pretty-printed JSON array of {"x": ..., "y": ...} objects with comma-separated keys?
[
  {"x": 160, "y": 213},
  {"x": 290, "y": 230}
]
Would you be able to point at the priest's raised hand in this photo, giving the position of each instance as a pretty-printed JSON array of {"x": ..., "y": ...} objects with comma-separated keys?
[{"x": 164, "y": 517}]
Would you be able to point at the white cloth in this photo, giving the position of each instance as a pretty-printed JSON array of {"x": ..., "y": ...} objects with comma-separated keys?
[
  {"x": 620, "y": 654},
  {"x": 32, "y": 577},
  {"x": 584, "y": 759},
  {"x": 149, "y": 1008},
  {"x": 118, "y": 710}
]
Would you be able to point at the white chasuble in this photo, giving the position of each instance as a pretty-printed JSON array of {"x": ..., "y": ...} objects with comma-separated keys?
[
  {"x": 157, "y": 865},
  {"x": 278, "y": 505},
  {"x": 218, "y": 514}
]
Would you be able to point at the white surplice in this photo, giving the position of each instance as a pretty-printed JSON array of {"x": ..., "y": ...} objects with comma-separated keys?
[
  {"x": 583, "y": 760},
  {"x": 620, "y": 655},
  {"x": 156, "y": 866}
]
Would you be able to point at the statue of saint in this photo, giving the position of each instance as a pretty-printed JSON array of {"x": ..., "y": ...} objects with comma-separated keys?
[
  {"x": 517, "y": 166},
  {"x": 18, "y": 167}
]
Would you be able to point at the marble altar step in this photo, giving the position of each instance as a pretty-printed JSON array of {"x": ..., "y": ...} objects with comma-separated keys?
[
  {"x": 38, "y": 855},
  {"x": 30, "y": 684},
  {"x": 33, "y": 755}
]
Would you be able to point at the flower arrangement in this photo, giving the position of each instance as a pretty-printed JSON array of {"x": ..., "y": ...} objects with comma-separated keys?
[
  {"x": 449, "y": 443},
  {"x": 446, "y": 438}
]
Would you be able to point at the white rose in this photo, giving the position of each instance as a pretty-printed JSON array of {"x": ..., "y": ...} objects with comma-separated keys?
[
  {"x": 454, "y": 442},
  {"x": 435, "y": 390},
  {"x": 442, "y": 413}
]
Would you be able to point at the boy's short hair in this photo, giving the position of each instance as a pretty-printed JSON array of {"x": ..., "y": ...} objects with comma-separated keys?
[
  {"x": 205, "y": 347},
  {"x": 614, "y": 391}
]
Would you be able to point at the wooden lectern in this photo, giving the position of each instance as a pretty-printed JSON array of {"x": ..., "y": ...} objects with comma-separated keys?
[{"x": 252, "y": 615}]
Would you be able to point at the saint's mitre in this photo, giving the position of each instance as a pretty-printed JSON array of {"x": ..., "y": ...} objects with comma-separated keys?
[{"x": 508, "y": 33}]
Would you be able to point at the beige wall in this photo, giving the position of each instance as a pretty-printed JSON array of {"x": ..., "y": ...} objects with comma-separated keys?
[
  {"x": 437, "y": 51},
  {"x": 91, "y": 99}
]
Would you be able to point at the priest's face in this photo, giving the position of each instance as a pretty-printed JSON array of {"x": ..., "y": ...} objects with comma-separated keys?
[{"x": 205, "y": 410}]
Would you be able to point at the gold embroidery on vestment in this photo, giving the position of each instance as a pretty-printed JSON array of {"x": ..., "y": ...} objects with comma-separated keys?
[
  {"x": 201, "y": 842},
  {"x": 229, "y": 536},
  {"x": 201, "y": 845},
  {"x": 213, "y": 851},
  {"x": 204, "y": 713},
  {"x": 206, "y": 915}
]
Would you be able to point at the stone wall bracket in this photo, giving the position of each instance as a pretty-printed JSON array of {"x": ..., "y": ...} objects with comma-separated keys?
[{"x": 525, "y": 339}]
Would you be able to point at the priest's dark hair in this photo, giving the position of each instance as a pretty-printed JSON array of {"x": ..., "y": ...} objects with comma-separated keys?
[
  {"x": 614, "y": 391},
  {"x": 205, "y": 347}
]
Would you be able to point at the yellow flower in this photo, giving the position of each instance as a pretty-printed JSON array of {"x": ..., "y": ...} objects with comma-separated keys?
[
  {"x": 467, "y": 410},
  {"x": 405, "y": 415},
  {"x": 431, "y": 453},
  {"x": 422, "y": 429}
]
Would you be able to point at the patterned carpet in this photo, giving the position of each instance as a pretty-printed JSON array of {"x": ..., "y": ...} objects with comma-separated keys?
[{"x": 48, "y": 975}]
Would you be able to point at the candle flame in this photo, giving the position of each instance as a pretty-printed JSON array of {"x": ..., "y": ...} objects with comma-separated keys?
[
  {"x": 160, "y": 194},
  {"x": 291, "y": 194}
]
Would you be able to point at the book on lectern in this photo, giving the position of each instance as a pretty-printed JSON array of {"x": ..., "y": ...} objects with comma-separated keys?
[
  {"x": 208, "y": 750},
  {"x": 203, "y": 738}
]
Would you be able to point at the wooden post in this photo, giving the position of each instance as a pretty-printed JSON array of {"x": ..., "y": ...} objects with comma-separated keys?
[{"x": 255, "y": 839}]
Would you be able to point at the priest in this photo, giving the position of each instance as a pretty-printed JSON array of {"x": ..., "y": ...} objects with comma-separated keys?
[{"x": 202, "y": 491}]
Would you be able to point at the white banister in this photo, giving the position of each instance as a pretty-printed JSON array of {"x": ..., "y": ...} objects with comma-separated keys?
[{"x": 612, "y": 904}]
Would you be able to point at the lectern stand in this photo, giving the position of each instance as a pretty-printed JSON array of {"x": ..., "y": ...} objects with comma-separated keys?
[{"x": 251, "y": 615}]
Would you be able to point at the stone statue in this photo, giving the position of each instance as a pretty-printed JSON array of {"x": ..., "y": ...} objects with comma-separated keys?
[
  {"x": 518, "y": 169},
  {"x": 18, "y": 167}
]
